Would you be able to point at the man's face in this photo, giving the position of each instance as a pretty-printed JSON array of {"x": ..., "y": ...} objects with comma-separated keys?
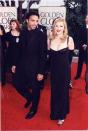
[{"x": 32, "y": 22}]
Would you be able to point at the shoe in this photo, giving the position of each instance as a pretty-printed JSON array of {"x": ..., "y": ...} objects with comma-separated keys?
[
  {"x": 60, "y": 122},
  {"x": 30, "y": 114},
  {"x": 77, "y": 77},
  {"x": 27, "y": 104}
]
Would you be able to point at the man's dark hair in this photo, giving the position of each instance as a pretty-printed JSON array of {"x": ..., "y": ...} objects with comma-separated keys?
[{"x": 32, "y": 13}]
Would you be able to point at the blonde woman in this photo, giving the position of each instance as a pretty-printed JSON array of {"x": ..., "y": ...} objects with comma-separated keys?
[{"x": 59, "y": 43}]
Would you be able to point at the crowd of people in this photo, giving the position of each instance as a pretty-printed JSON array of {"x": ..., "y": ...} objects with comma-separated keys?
[{"x": 24, "y": 53}]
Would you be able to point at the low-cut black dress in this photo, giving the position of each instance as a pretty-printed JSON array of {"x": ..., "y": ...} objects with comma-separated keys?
[{"x": 59, "y": 84}]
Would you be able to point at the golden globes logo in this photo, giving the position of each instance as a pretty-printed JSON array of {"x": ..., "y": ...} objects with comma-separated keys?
[
  {"x": 48, "y": 14},
  {"x": 6, "y": 17},
  {"x": 47, "y": 17},
  {"x": 6, "y": 14}
]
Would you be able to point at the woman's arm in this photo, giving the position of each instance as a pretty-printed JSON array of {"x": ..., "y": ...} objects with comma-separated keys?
[{"x": 71, "y": 43}]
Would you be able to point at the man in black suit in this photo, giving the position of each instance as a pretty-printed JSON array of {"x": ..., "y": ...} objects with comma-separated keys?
[
  {"x": 0, "y": 57},
  {"x": 43, "y": 29},
  {"x": 31, "y": 65},
  {"x": 3, "y": 54},
  {"x": 82, "y": 49},
  {"x": 86, "y": 78}
]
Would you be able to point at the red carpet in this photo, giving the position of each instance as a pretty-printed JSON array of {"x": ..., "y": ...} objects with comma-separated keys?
[{"x": 13, "y": 113}]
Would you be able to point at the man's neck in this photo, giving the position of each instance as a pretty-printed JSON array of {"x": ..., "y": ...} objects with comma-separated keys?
[{"x": 29, "y": 29}]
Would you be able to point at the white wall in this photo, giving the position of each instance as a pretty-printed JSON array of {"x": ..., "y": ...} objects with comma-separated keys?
[
  {"x": 51, "y": 2},
  {"x": 48, "y": 3},
  {"x": 42, "y": 3}
]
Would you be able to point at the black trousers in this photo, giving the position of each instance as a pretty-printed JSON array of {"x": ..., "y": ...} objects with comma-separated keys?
[
  {"x": 86, "y": 76},
  {"x": 3, "y": 72},
  {"x": 22, "y": 82},
  {"x": 82, "y": 59}
]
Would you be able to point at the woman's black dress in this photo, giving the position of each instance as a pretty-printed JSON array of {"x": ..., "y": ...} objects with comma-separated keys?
[
  {"x": 59, "y": 84},
  {"x": 13, "y": 49}
]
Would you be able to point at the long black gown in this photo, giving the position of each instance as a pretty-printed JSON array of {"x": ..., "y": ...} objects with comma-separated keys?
[{"x": 59, "y": 84}]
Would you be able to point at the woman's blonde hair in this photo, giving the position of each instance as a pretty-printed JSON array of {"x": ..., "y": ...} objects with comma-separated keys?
[{"x": 65, "y": 32}]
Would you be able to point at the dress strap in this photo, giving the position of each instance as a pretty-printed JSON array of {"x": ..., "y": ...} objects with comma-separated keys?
[{"x": 67, "y": 40}]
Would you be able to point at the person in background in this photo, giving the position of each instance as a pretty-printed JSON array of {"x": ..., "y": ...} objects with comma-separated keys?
[
  {"x": 31, "y": 66},
  {"x": 0, "y": 60},
  {"x": 82, "y": 49},
  {"x": 59, "y": 45},
  {"x": 3, "y": 55},
  {"x": 86, "y": 78},
  {"x": 70, "y": 64},
  {"x": 12, "y": 39}
]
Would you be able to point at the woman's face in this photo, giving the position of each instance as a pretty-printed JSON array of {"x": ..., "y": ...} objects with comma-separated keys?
[
  {"x": 13, "y": 25},
  {"x": 59, "y": 28}
]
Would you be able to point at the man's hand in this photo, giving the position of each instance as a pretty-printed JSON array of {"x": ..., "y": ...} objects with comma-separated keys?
[
  {"x": 13, "y": 69},
  {"x": 40, "y": 77},
  {"x": 84, "y": 46}
]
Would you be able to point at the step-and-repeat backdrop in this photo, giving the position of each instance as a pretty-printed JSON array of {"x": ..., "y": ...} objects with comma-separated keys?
[
  {"x": 49, "y": 13},
  {"x": 6, "y": 14}
]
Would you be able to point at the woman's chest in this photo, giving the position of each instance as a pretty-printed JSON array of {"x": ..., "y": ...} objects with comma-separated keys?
[{"x": 57, "y": 45}]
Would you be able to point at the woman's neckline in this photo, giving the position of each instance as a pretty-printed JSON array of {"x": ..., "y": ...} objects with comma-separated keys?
[{"x": 14, "y": 34}]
